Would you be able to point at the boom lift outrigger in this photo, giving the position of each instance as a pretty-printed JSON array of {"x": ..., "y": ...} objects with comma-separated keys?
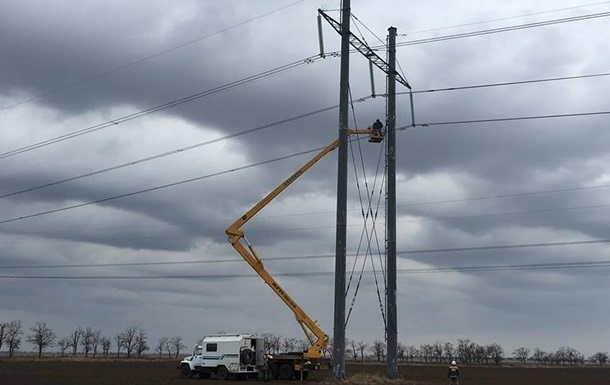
[{"x": 314, "y": 333}]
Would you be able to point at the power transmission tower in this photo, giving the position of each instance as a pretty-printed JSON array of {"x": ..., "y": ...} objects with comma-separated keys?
[
  {"x": 347, "y": 39},
  {"x": 391, "y": 319},
  {"x": 341, "y": 234}
]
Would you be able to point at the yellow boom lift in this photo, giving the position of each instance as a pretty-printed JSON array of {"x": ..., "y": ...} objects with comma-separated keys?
[{"x": 293, "y": 363}]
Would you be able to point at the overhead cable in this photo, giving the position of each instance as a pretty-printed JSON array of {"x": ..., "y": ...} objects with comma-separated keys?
[
  {"x": 290, "y": 156},
  {"x": 247, "y": 131},
  {"x": 451, "y": 269},
  {"x": 161, "y": 107},
  {"x": 144, "y": 59},
  {"x": 499, "y": 30},
  {"x": 308, "y": 257},
  {"x": 173, "y": 152}
]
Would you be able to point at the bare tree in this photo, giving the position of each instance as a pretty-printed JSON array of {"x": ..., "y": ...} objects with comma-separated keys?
[
  {"x": 437, "y": 349},
  {"x": 75, "y": 337},
  {"x": 466, "y": 350},
  {"x": 480, "y": 353},
  {"x": 170, "y": 348},
  {"x": 86, "y": 340},
  {"x": 449, "y": 351},
  {"x": 105, "y": 346},
  {"x": 42, "y": 336},
  {"x": 141, "y": 344},
  {"x": 352, "y": 348},
  {"x": 401, "y": 350},
  {"x": 13, "y": 336},
  {"x": 162, "y": 345},
  {"x": 64, "y": 344},
  {"x": 539, "y": 355},
  {"x": 599, "y": 358},
  {"x": 378, "y": 349},
  {"x": 574, "y": 356},
  {"x": 495, "y": 352},
  {"x": 426, "y": 351},
  {"x": 177, "y": 345},
  {"x": 120, "y": 343},
  {"x": 521, "y": 354},
  {"x": 129, "y": 339},
  {"x": 96, "y": 340},
  {"x": 272, "y": 342},
  {"x": 289, "y": 344},
  {"x": 3, "y": 327},
  {"x": 412, "y": 352},
  {"x": 303, "y": 344},
  {"x": 362, "y": 347}
]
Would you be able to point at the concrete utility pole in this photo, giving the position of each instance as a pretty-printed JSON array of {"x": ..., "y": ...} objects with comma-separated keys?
[
  {"x": 391, "y": 319},
  {"x": 341, "y": 234}
]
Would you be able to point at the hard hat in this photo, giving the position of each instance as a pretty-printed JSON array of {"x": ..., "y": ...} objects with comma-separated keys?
[{"x": 453, "y": 363}]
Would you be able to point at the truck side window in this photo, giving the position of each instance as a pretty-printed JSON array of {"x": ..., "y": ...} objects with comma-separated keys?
[{"x": 211, "y": 347}]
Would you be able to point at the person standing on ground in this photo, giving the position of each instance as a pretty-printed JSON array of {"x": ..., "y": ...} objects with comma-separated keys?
[{"x": 453, "y": 373}]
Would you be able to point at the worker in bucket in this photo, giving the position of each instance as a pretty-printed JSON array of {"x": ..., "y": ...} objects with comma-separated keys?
[
  {"x": 453, "y": 373},
  {"x": 377, "y": 126}
]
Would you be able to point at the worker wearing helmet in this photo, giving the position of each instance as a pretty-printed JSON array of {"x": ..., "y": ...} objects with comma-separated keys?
[
  {"x": 377, "y": 126},
  {"x": 453, "y": 373}
]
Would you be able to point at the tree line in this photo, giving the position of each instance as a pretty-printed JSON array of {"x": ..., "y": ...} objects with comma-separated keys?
[
  {"x": 133, "y": 342},
  {"x": 468, "y": 352}
]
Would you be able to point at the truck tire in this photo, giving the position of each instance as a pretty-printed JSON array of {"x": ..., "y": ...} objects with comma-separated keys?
[
  {"x": 246, "y": 357},
  {"x": 186, "y": 372},
  {"x": 274, "y": 371},
  {"x": 286, "y": 372},
  {"x": 222, "y": 373}
]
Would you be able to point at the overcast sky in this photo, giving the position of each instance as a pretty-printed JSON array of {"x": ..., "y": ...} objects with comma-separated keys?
[{"x": 86, "y": 68}]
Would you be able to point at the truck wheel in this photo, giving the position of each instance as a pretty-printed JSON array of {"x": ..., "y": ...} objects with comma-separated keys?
[
  {"x": 274, "y": 371},
  {"x": 247, "y": 357},
  {"x": 286, "y": 372},
  {"x": 185, "y": 372},
  {"x": 222, "y": 373}
]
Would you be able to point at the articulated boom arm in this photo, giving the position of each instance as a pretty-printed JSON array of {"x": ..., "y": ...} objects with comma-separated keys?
[{"x": 316, "y": 336}]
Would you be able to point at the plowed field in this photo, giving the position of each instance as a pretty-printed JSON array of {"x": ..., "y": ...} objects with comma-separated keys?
[{"x": 151, "y": 372}]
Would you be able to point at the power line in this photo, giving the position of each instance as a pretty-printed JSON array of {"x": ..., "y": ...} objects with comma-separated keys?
[
  {"x": 176, "y": 151},
  {"x": 500, "y": 30},
  {"x": 518, "y": 82},
  {"x": 144, "y": 59},
  {"x": 282, "y": 69},
  {"x": 293, "y": 155},
  {"x": 502, "y": 18},
  {"x": 531, "y": 117},
  {"x": 420, "y": 220},
  {"x": 308, "y": 257},
  {"x": 497, "y": 196},
  {"x": 161, "y": 107},
  {"x": 158, "y": 187},
  {"x": 452, "y": 269},
  {"x": 247, "y": 131}
]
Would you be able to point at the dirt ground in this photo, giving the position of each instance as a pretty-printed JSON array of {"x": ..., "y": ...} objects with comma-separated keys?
[{"x": 152, "y": 372}]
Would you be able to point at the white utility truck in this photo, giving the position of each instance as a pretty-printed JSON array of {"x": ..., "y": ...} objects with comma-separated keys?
[{"x": 224, "y": 355}]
